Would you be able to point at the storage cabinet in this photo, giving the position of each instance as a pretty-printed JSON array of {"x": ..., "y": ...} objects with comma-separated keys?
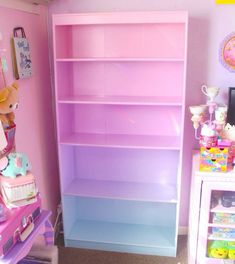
[
  {"x": 120, "y": 106},
  {"x": 209, "y": 219}
]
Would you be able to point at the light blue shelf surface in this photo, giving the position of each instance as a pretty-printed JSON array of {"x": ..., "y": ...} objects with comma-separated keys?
[{"x": 122, "y": 237}]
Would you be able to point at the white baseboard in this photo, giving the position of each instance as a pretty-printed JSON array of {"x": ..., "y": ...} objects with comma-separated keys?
[{"x": 183, "y": 230}]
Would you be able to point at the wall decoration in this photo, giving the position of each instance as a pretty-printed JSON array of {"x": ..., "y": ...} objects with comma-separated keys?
[
  {"x": 223, "y": 2},
  {"x": 22, "y": 60},
  {"x": 227, "y": 52}
]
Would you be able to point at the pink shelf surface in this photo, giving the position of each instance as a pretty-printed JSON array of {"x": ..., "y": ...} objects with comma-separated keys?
[
  {"x": 120, "y": 59},
  {"x": 121, "y": 17},
  {"x": 221, "y": 209},
  {"x": 122, "y": 141},
  {"x": 211, "y": 237},
  {"x": 220, "y": 225},
  {"x": 20, "y": 250},
  {"x": 127, "y": 100},
  {"x": 141, "y": 191}
]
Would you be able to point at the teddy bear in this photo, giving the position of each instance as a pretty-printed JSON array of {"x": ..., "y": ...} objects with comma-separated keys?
[{"x": 8, "y": 103}]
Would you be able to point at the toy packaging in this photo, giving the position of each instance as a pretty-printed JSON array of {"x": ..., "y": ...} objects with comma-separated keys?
[
  {"x": 225, "y": 233},
  {"x": 19, "y": 191},
  {"x": 18, "y": 225},
  {"x": 223, "y": 218}
]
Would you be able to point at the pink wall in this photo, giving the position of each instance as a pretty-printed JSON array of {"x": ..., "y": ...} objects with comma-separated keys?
[
  {"x": 35, "y": 134},
  {"x": 208, "y": 25}
]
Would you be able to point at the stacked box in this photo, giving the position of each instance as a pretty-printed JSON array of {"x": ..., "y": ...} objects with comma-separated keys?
[{"x": 214, "y": 159}]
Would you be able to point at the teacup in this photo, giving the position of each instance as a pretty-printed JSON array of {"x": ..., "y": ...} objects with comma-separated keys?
[
  {"x": 197, "y": 109},
  {"x": 211, "y": 92},
  {"x": 221, "y": 113}
]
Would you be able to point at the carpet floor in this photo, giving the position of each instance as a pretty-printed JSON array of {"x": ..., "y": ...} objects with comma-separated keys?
[{"x": 84, "y": 256}]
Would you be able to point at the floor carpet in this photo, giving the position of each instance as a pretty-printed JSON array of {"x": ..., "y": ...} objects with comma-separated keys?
[{"x": 84, "y": 256}]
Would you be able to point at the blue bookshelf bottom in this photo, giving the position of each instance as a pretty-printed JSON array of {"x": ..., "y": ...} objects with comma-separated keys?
[{"x": 122, "y": 237}]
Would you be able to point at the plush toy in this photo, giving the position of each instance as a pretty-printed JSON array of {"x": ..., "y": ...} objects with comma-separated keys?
[
  {"x": 231, "y": 250},
  {"x": 218, "y": 249},
  {"x": 14, "y": 164},
  {"x": 8, "y": 103}
]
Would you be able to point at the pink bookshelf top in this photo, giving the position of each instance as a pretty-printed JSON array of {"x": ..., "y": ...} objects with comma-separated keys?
[
  {"x": 122, "y": 141},
  {"x": 141, "y": 191},
  {"x": 121, "y": 18},
  {"x": 125, "y": 100}
]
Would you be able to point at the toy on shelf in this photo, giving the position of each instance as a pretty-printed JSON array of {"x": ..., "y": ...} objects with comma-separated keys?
[
  {"x": 14, "y": 164},
  {"x": 8, "y": 104},
  {"x": 17, "y": 183},
  {"x": 221, "y": 249},
  {"x": 228, "y": 199},
  {"x": 218, "y": 249}
]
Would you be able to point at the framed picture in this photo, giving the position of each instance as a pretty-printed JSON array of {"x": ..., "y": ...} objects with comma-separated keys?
[
  {"x": 227, "y": 52},
  {"x": 225, "y": 2}
]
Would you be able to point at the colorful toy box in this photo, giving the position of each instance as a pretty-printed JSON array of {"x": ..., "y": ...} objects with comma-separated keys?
[
  {"x": 214, "y": 159},
  {"x": 223, "y": 218},
  {"x": 18, "y": 225},
  {"x": 19, "y": 191}
]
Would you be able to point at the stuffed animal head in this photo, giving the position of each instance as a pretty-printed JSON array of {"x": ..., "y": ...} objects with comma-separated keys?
[
  {"x": 9, "y": 99},
  {"x": 228, "y": 132}
]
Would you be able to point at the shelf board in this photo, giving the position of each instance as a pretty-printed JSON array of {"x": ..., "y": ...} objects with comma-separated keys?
[
  {"x": 211, "y": 237},
  {"x": 128, "y": 59},
  {"x": 221, "y": 225},
  {"x": 122, "y": 141},
  {"x": 221, "y": 209},
  {"x": 122, "y": 234},
  {"x": 122, "y": 100},
  {"x": 137, "y": 191}
]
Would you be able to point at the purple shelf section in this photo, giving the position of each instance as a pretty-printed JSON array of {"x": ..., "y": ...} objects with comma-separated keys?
[
  {"x": 124, "y": 100},
  {"x": 122, "y": 141},
  {"x": 20, "y": 250},
  {"x": 137, "y": 191}
]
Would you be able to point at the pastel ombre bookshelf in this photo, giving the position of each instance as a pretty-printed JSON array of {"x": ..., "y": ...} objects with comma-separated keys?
[{"x": 120, "y": 106}]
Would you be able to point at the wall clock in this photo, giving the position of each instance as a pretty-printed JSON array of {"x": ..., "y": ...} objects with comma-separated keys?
[{"x": 227, "y": 52}]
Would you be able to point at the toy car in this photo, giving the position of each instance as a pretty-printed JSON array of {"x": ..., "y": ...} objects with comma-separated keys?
[{"x": 228, "y": 199}]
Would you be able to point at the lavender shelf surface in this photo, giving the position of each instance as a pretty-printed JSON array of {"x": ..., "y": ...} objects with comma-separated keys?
[
  {"x": 136, "y": 191},
  {"x": 122, "y": 141}
]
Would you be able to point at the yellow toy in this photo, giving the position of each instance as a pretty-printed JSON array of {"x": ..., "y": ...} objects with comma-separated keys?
[
  {"x": 8, "y": 103},
  {"x": 218, "y": 249},
  {"x": 231, "y": 248}
]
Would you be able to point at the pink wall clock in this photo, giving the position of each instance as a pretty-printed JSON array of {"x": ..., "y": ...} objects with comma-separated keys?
[{"x": 227, "y": 52}]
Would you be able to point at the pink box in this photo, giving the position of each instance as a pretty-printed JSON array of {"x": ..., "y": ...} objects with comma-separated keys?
[
  {"x": 18, "y": 225},
  {"x": 19, "y": 191}
]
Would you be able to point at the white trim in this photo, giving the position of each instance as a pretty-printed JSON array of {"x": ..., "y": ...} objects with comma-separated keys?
[
  {"x": 183, "y": 230},
  {"x": 20, "y": 5}
]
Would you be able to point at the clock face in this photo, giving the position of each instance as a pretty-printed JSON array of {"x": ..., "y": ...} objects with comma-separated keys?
[{"x": 228, "y": 52}]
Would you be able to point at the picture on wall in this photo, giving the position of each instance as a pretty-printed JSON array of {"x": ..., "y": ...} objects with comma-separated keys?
[{"x": 227, "y": 52}]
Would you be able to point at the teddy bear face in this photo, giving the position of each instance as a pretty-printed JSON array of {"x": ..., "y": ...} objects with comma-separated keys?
[{"x": 9, "y": 99}]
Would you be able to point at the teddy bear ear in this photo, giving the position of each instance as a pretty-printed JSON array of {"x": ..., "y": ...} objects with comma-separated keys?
[
  {"x": 4, "y": 95},
  {"x": 15, "y": 85}
]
